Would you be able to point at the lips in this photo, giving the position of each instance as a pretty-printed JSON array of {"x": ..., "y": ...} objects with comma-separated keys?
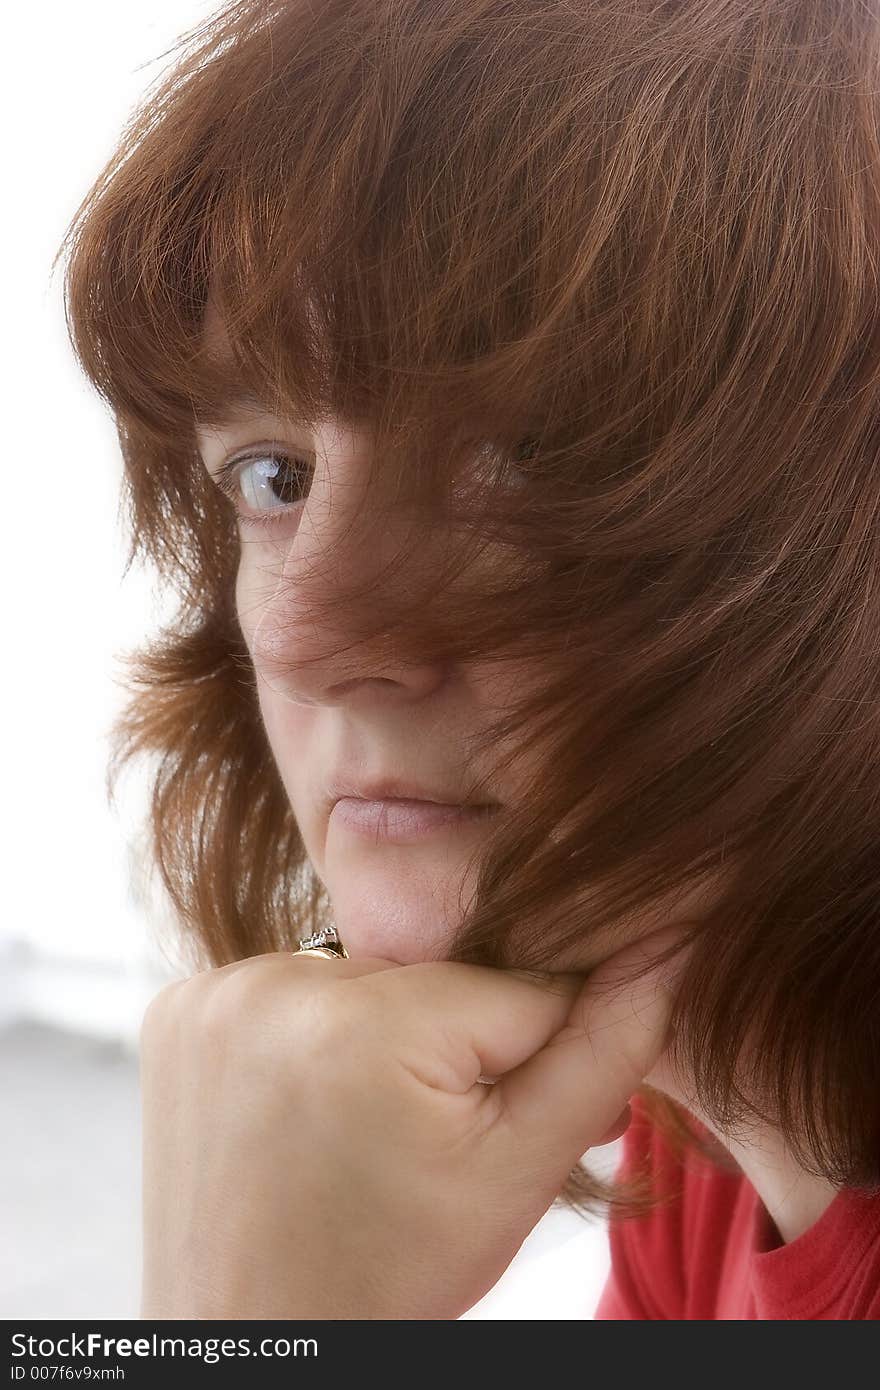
[
  {"x": 396, "y": 789},
  {"x": 401, "y": 820}
]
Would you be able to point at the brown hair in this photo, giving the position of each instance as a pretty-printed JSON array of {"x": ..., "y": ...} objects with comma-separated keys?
[{"x": 603, "y": 279}]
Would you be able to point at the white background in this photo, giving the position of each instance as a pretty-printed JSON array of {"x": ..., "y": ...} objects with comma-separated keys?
[
  {"x": 73, "y": 74},
  {"x": 79, "y": 940}
]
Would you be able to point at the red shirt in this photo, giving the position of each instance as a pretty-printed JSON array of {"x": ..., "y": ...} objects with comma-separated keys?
[{"x": 714, "y": 1253}]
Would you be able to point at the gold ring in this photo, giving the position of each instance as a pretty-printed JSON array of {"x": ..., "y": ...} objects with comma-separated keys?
[{"x": 324, "y": 942}]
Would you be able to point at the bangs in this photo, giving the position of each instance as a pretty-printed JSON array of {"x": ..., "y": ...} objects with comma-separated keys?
[
  {"x": 430, "y": 224},
  {"x": 472, "y": 226},
  {"x": 316, "y": 200}
]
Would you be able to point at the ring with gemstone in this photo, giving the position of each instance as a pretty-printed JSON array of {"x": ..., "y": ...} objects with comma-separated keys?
[{"x": 324, "y": 943}]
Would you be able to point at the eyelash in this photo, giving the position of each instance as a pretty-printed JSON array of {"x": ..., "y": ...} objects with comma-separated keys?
[
  {"x": 226, "y": 479},
  {"x": 227, "y": 475}
]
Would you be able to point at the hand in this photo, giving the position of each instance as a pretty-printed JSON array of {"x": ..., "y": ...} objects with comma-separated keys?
[{"x": 316, "y": 1143}]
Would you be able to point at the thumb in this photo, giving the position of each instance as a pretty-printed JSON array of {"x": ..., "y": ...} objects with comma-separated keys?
[{"x": 569, "y": 1095}]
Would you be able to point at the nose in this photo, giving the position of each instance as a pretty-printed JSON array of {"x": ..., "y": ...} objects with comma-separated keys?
[{"x": 307, "y": 644}]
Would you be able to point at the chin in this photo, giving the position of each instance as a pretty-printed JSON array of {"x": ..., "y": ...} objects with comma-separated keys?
[{"x": 406, "y": 917}]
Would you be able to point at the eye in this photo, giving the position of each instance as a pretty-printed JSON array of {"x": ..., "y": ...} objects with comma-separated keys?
[
  {"x": 266, "y": 483},
  {"x": 509, "y": 465},
  {"x": 526, "y": 449}
]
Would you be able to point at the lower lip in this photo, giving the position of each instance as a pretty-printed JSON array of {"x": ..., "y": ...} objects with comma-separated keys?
[{"x": 400, "y": 821}]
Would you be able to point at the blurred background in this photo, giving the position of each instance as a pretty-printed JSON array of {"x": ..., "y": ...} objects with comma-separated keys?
[{"x": 83, "y": 941}]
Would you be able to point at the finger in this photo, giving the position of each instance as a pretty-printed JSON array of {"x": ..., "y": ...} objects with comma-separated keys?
[
  {"x": 572, "y": 1093},
  {"x": 475, "y": 1019},
  {"x": 615, "y": 1131},
  {"x": 341, "y": 967},
  {"x": 344, "y": 968}
]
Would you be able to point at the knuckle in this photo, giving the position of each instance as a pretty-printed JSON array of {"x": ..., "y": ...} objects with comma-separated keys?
[
  {"x": 273, "y": 1014},
  {"x": 258, "y": 1017},
  {"x": 160, "y": 1009},
  {"x": 327, "y": 1023},
  {"x": 235, "y": 1001},
  {"x": 217, "y": 1013}
]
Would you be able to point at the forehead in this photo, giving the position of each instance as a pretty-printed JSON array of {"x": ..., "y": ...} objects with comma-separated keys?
[
  {"x": 241, "y": 405},
  {"x": 243, "y": 409},
  {"x": 239, "y": 402}
]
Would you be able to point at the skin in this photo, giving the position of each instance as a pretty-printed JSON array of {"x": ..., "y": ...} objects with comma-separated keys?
[
  {"x": 400, "y": 903},
  {"x": 390, "y": 1184}
]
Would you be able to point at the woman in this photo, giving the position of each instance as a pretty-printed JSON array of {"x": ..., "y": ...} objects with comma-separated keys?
[{"x": 497, "y": 387}]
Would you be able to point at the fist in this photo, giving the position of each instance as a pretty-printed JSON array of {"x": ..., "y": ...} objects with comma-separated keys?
[{"x": 318, "y": 1143}]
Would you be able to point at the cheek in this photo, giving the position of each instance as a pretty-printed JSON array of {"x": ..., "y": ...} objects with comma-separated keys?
[
  {"x": 284, "y": 720},
  {"x": 499, "y": 688},
  {"x": 242, "y": 606},
  {"x": 255, "y": 586},
  {"x": 291, "y": 731}
]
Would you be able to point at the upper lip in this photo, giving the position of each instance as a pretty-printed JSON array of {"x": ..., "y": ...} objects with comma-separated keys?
[{"x": 393, "y": 789}]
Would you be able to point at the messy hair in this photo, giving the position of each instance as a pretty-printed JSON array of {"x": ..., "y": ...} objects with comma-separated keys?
[{"x": 602, "y": 280}]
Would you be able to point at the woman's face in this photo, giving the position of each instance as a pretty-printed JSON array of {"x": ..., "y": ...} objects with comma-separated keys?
[
  {"x": 346, "y": 723},
  {"x": 343, "y": 718}
]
